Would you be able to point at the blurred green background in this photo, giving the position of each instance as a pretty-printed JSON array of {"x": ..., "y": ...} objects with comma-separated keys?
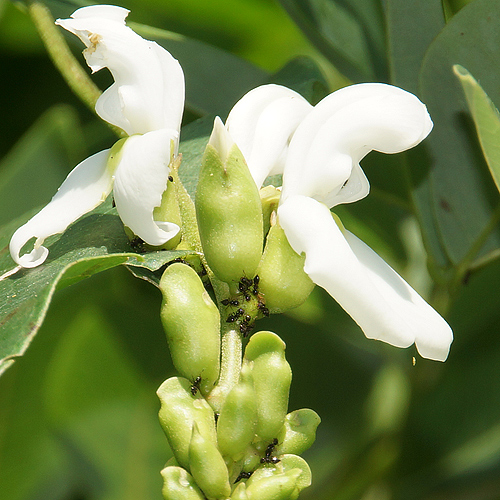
[{"x": 78, "y": 412}]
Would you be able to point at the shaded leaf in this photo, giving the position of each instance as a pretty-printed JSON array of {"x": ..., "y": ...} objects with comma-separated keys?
[
  {"x": 463, "y": 200},
  {"x": 486, "y": 119},
  {"x": 93, "y": 244},
  {"x": 349, "y": 34}
]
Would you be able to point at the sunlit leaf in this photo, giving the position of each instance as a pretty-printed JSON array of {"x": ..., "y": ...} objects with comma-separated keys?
[{"x": 486, "y": 118}]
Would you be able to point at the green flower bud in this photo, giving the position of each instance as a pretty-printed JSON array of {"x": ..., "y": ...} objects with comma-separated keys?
[
  {"x": 299, "y": 432},
  {"x": 283, "y": 282},
  {"x": 178, "y": 484},
  {"x": 237, "y": 419},
  {"x": 208, "y": 467},
  {"x": 272, "y": 376},
  {"x": 240, "y": 493},
  {"x": 180, "y": 409},
  {"x": 168, "y": 211},
  {"x": 271, "y": 484},
  {"x": 192, "y": 325},
  {"x": 291, "y": 474},
  {"x": 269, "y": 197},
  {"x": 229, "y": 210}
]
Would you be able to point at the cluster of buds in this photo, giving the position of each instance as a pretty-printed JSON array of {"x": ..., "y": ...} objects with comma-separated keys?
[
  {"x": 250, "y": 450},
  {"x": 244, "y": 446}
]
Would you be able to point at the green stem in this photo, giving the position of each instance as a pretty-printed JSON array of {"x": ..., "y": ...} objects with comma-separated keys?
[
  {"x": 231, "y": 351},
  {"x": 60, "y": 54}
]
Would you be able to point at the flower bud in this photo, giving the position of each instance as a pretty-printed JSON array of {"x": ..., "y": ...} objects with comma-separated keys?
[
  {"x": 299, "y": 432},
  {"x": 180, "y": 409},
  {"x": 208, "y": 467},
  {"x": 178, "y": 484},
  {"x": 283, "y": 282},
  {"x": 237, "y": 419},
  {"x": 273, "y": 485},
  {"x": 168, "y": 211},
  {"x": 240, "y": 493},
  {"x": 272, "y": 376},
  {"x": 228, "y": 210},
  {"x": 291, "y": 462},
  {"x": 192, "y": 325}
]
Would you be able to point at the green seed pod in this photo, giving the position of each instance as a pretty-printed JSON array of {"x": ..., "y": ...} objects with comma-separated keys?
[
  {"x": 208, "y": 467},
  {"x": 180, "y": 409},
  {"x": 283, "y": 282},
  {"x": 271, "y": 484},
  {"x": 299, "y": 432},
  {"x": 272, "y": 376},
  {"x": 240, "y": 492},
  {"x": 237, "y": 419},
  {"x": 228, "y": 210},
  {"x": 178, "y": 484},
  {"x": 192, "y": 325}
]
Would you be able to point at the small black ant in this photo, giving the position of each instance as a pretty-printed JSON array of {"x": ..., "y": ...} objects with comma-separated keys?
[
  {"x": 263, "y": 309},
  {"x": 196, "y": 386},
  {"x": 268, "y": 458},
  {"x": 225, "y": 302},
  {"x": 243, "y": 475},
  {"x": 170, "y": 178},
  {"x": 234, "y": 302}
]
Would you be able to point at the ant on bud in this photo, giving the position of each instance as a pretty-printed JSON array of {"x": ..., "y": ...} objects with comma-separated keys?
[
  {"x": 196, "y": 386},
  {"x": 268, "y": 458},
  {"x": 243, "y": 475}
]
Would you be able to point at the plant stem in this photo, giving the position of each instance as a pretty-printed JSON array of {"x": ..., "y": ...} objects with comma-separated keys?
[
  {"x": 231, "y": 351},
  {"x": 60, "y": 54}
]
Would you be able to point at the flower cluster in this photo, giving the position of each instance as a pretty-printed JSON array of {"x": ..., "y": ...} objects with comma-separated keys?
[{"x": 316, "y": 149}]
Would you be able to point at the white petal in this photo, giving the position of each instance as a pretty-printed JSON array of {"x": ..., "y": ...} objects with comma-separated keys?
[
  {"x": 87, "y": 185},
  {"x": 148, "y": 93},
  {"x": 221, "y": 139},
  {"x": 377, "y": 298},
  {"x": 329, "y": 143},
  {"x": 262, "y": 123},
  {"x": 140, "y": 180}
]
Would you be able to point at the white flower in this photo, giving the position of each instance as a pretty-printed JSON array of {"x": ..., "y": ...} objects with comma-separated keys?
[
  {"x": 146, "y": 100},
  {"x": 321, "y": 171}
]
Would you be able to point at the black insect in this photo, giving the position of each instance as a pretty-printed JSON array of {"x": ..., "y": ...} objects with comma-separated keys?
[
  {"x": 231, "y": 318},
  {"x": 170, "y": 178},
  {"x": 225, "y": 302},
  {"x": 196, "y": 386},
  {"x": 268, "y": 458},
  {"x": 137, "y": 245},
  {"x": 243, "y": 475},
  {"x": 256, "y": 280},
  {"x": 244, "y": 284},
  {"x": 245, "y": 329},
  {"x": 247, "y": 297},
  {"x": 234, "y": 302},
  {"x": 216, "y": 416},
  {"x": 263, "y": 309}
]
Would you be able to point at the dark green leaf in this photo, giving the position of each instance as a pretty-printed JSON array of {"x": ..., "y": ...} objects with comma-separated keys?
[
  {"x": 93, "y": 244},
  {"x": 463, "y": 199},
  {"x": 348, "y": 33}
]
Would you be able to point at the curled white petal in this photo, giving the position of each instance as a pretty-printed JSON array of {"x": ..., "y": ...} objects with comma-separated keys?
[
  {"x": 324, "y": 154},
  {"x": 140, "y": 180},
  {"x": 87, "y": 185},
  {"x": 377, "y": 298},
  {"x": 262, "y": 123},
  {"x": 148, "y": 93}
]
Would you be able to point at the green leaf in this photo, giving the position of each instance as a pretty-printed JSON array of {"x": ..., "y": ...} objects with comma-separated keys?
[
  {"x": 462, "y": 201},
  {"x": 93, "y": 244},
  {"x": 486, "y": 118},
  {"x": 215, "y": 79},
  {"x": 349, "y": 34}
]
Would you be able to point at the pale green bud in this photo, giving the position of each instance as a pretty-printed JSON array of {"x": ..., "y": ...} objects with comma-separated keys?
[
  {"x": 192, "y": 325},
  {"x": 269, "y": 197},
  {"x": 283, "y": 282},
  {"x": 284, "y": 480},
  {"x": 180, "y": 409},
  {"x": 299, "y": 432},
  {"x": 273, "y": 485},
  {"x": 240, "y": 493},
  {"x": 237, "y": 419},
  {"x": 208, "y": 467},
  {"x": 272, "y": 376},
  {"x": 228, "y": 210},
  {"x": 178, "y": 484},
  {"x": 169, "y": 211}
]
